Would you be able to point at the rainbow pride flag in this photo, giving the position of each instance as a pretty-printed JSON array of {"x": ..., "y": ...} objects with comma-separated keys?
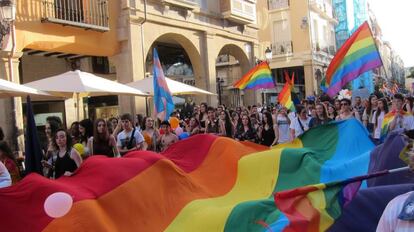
[
  {"x": 388, "y": 118},
  {"x": 285, "y": 96},
  {"x": 357, "y": 55},
  {"x": 163, "y": 102},
  {"x": 259, "y": 77},
  {"x": 203, "y": 183},
  {"x": 316, "y": 207}
]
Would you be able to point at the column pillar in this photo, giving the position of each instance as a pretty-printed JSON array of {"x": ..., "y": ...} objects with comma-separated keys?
[
  {"x": 309, "y": 78},
  {"x": 130, "y": 62},
  {"x": 209, "y": 61},
  {"x": 11, "y": 113},
  {"x": 251, "y": 97}
]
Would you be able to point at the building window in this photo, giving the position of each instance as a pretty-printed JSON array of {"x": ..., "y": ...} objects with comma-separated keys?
[
  {"x": 279, "y": 75},
  {"x": 277, "y": 4},
  {"x": 100, "y": 65},
  {"x": 282, "y": 42}
]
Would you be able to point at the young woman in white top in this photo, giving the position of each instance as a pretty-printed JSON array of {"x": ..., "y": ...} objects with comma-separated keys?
[
  {"x": 301, "y": 124},
  {"x": 282, "y": 123},
  {"x": 379, "y": 117}
]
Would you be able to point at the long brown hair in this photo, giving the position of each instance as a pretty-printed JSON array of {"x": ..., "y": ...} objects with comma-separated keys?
[
  {"x": 378, "y": 112},
  {"x": 68, "y": 140},
  {"x": 324, "y": 113},
  {"x": 5, "y": 148},
  {"x": 100, "y": 137}
]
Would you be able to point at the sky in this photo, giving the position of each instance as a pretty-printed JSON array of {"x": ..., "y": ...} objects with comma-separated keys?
[{"x": 395, "y": 18}]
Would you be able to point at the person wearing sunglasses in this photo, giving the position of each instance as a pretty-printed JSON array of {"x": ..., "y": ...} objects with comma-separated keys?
[{"x": 346, "y": 110}]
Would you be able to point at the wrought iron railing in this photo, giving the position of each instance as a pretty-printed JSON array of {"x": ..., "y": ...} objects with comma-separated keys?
[
  {"x": 282, "y": 48},
  {"x": 90, "y": 14}
]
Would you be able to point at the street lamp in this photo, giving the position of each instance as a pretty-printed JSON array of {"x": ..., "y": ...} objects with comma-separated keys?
[{"x": 7, "y": 16}]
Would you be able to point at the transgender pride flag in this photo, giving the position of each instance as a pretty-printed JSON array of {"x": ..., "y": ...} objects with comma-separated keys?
[{"x": 163, "y": 103}]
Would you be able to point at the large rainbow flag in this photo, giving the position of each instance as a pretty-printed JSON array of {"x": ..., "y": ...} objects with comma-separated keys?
[
  {"x": 357, "y": 55},
  {"x": 285, "y": 96},
  {"x": 259, "y": 77},
  {"x": 204, "y": 183}
]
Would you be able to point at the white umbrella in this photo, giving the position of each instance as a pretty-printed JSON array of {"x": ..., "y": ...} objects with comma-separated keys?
[
  {"x": 82, "y": 84},
  {"x": 176, "y": 87},
  {"x": 10, "y": 89},
  {"x": 178, "y": 100}
]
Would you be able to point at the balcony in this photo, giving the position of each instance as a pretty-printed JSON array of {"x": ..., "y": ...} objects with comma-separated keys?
[
  {"x": 282, "y": 48},
  {"x": 278, "y": 4},
  {"x": 239, "y": 11},
  {"x": 187, "y": 4},
  {"x": 92, "y": 14},
  {"x": 324, "y": 9}
]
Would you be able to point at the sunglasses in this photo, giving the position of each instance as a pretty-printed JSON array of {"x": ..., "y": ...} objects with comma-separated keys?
[{"x": 344, "y": 104}]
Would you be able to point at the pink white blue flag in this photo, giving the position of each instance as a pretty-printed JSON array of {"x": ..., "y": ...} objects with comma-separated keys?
[{"x": 163, "y": 103}]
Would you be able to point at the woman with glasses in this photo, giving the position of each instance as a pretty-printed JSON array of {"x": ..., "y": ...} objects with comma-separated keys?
[
  {"x": 346, "y": 110},
  {"x": 300, "y": 124},
  {"x": 102, "y": 142},
  {"x": 150, "y": 133}
]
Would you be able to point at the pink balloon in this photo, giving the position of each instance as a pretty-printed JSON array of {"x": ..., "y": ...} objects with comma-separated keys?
[
  {"x": 58, "y": 204},
  {"x": 178, "y": 131}
]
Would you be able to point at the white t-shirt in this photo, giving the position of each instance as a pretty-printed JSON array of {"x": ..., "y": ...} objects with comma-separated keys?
[
  {"x": 377, "y": 130},
  {"x": 123, "y": 139},
  {"x": 407, "y": 122},
  {"x": 296, "y": 126},
  {"x": 5, "y": 179},
  {"x": 292, "y": 116},
  {"x": 283, "y": 125},
  {"x": 389, "y": 221}
]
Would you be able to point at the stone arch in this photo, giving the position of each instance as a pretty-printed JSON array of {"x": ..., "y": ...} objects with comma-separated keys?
[
  {"x": 230, "y": 95},
  {"x": 237, "y": 52},
  {"x": 190, "y": 48}
]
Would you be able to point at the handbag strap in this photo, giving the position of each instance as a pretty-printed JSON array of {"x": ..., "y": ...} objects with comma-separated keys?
[
  {"x": 132, "y": 137},
  {"x": 301, "y": 126}
]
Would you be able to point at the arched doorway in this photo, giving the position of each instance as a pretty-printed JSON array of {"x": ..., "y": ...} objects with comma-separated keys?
[
  {"x": 179, "y": 58},
  {"x": 231, "y": 64}
]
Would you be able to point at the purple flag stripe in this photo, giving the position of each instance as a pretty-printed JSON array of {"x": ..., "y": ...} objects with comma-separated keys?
[{"x": 332, "y": 90}]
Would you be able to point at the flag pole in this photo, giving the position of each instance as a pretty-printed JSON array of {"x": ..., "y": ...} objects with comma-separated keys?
[
  {"x": 382, "y": 62},
  {"x": 349, "y": 180}
]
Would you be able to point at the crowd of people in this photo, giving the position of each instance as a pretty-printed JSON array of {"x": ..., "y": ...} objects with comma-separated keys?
[{"x": 65, "y": 149}]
